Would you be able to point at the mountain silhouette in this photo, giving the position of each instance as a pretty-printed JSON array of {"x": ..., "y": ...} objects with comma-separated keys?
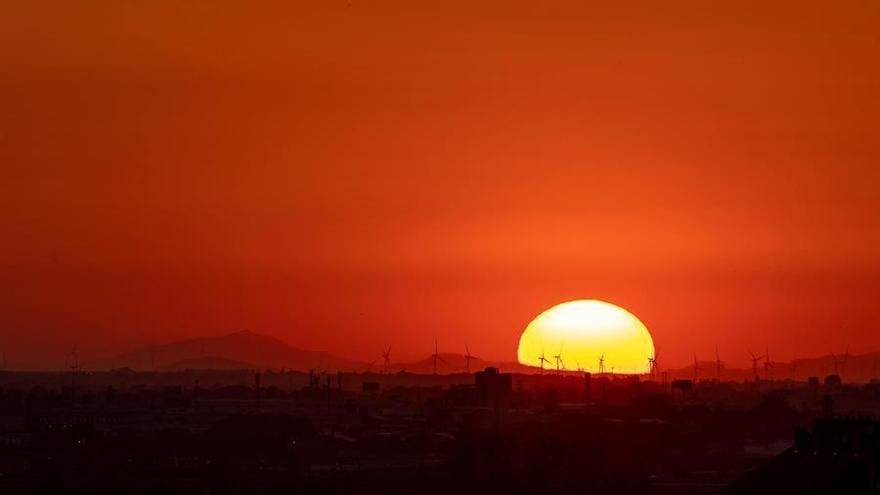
[
  {"x": 450, "y": 363},
  {"x": 850, "y": 367},
  {"x": 249, "y": 350},
  {"x": 244, "y": 348}
]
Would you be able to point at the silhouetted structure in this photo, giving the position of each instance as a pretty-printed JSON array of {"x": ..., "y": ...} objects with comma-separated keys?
[
  {"x": 839, "y": 456},
  {"x": 684, "y": 386},
  {"x": 832, "y": 380},
  {"x": 291, "y": 432},
  {"x": 493, "y": 387}
]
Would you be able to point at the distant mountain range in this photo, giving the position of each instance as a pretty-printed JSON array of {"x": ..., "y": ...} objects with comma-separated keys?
[
  {"x": 450, "y": 362},
  {"x": 249, "y": 350},
  {"x": 852, "y": 368},
  {"x": 244, "y": 349}
]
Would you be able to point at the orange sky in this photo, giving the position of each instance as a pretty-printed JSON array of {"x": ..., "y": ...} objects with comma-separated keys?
[{"x": 349, "y": 176}]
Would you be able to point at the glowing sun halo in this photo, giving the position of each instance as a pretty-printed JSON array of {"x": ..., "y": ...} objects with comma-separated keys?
[{"x": 582, "y": 331}]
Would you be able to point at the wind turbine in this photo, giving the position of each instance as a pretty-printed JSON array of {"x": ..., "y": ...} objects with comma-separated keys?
[
  {"x": 542, "y": 359},
  {"x": 436, "y": 356},
  {"x": 386, "y": 358},
  {"x": 717, "y": 365},
  {"x": 467, "y": 359},
  {"x": 768, "y": 365},
  {"x": 755, "y": 360},
  {"x": 602, "y": 364},
  {"x": 560, "y": 365},
  {"x": 73, "y": 359},
  {"x": 836, "y": 363},
  {"x": 655, "y": 363},
  {"x": 73, "y": 364},
  {"x": 696, "y": 369}
]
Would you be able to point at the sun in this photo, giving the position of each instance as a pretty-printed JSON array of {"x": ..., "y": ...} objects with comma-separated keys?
[{"x": 578, "y": 334}]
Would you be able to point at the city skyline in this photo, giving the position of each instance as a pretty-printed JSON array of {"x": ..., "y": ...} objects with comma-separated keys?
[{"x": 342, "y": 176}]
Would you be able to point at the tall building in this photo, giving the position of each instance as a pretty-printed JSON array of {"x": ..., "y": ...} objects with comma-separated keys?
[{"x": 493, "y": 388}]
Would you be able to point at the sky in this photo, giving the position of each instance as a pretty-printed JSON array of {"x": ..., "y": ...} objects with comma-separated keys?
[{"x": 350, "y": 174}]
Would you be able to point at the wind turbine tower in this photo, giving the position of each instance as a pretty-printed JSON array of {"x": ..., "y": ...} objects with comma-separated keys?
[
  {"x": 836, "y": 362},
  {"x": 386, "y": 360},
  {"x": 560, "y": 365},
  {"x": 436, "y": 356},
  {"x": 467, "y": 359},
  {"x": 768, "y": 365},
  {"x": 655, "y": 363},
  {"x": 73, "y": 364},
  {"x": 755, "y": 360},
  {"x": 543, "y": 359}
]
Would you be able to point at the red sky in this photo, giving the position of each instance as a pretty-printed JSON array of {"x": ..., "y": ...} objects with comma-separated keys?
[{"x": 345, "y": 177}]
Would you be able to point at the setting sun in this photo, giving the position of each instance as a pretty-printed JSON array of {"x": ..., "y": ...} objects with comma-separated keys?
[{"x": 578, "y": 334}]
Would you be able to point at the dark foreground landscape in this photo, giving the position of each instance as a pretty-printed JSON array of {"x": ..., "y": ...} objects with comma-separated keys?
[{"x": 218, "y": 432}]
